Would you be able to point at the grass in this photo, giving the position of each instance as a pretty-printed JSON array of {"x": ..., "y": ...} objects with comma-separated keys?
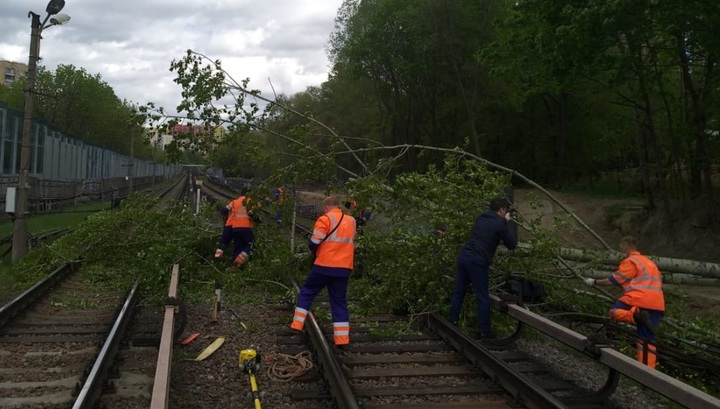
[{"x": 67, "y": 217}]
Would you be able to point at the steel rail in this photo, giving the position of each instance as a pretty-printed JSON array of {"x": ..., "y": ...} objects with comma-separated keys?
[
  {"x": 161, "y": 384},
  {"x": 672, "y": 355},
  {"x": 515, "y": 383},
  {"x": 17, "y": 305},
  {"x": 215, "y": 189},
  {"x": 166, "y": 191},
  {"x": 331, "y": 370},
  {"x": 664, "y": 384},
  {"x": 33, "y": 241},
  {"x": 92, "y": 388}
]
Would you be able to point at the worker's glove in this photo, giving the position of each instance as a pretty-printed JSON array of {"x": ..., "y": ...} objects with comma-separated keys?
[{"x": 589, "y": 281}]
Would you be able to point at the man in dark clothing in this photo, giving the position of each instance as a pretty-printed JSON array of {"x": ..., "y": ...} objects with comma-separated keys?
[{"x": 475, "y": 258}]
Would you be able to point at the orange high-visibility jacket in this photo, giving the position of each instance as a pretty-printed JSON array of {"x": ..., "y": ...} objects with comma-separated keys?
[
  {"x": 239, "y": 217},
  {"x": 338, "y": 249},
  {"x": 642, "y": 282}
]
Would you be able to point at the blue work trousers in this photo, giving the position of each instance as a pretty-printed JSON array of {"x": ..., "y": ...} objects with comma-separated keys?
[
  {"x": 473, "y": 271},
  {"x": 225, "y": 237},
  {"x": 242, "y": 241},
  {"x": 337, "y": 289},
  {"x": 643, "y": 333}
]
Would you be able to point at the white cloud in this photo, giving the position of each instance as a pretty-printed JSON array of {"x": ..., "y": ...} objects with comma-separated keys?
[{"x": 131, "y": 43}]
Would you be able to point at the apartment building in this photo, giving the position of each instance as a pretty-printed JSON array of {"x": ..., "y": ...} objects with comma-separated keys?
[{"x": 12, "y": 71}]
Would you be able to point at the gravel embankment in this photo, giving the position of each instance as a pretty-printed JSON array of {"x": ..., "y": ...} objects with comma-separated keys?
[
  {"x": 582, "y": 371},
  {"x": 218, "y": 381}
]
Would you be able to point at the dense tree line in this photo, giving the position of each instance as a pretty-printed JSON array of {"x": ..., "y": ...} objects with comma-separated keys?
[
  {"x": 570, "y": 92},
  {"x": 85, "y": 107}
]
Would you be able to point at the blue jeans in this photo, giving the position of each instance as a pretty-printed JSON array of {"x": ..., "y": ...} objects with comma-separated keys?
[{"x": 473, "y": 271}]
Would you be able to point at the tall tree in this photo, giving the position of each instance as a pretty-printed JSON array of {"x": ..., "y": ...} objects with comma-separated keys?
[
  {"x": 637, "y": 53},
  {"x": 419, "y": 58}
]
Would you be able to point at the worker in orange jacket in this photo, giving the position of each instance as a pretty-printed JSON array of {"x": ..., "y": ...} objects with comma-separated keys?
[
  {"x": 642, "y": 302},
  {"x": 240, "y": 222},
  {"x": 333, "y": 243}
]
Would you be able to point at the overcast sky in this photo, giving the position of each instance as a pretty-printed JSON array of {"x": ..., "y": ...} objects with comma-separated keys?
[{"x": 131, "y": 43}]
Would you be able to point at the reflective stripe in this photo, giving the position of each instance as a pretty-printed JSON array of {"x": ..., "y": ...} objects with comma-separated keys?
[
  {"x": 340, "y": 240},
  {"x": 622, "y": 276},
  {"x": 300, "y": 314},
  {"x": 239, "y": 216},
  {"x": 644, "y": 276},
  {"x": 337, "y": 249},
  {"x": 639, "y": 262},
  {"x": 341, "y": 333},
  {"x": 299, "y": 318},
  {"x": 341, "y": 328},
  {"x": 643, "y": 287},
  {"x": 318, "y": 236},
  {"x": 242, "y": 214},
  {"x": 333, "y": 223},
  {"x": 241, "y": 258}
]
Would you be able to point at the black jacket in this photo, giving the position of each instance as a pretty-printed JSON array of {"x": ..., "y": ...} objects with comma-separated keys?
[{"x": 489, "y": 229}]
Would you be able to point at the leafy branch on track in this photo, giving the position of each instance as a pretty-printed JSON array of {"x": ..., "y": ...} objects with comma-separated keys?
[{"x": 412, "y": 204}]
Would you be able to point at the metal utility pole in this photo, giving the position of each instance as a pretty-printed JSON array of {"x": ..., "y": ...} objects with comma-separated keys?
[{"x": 20, "y": 229}]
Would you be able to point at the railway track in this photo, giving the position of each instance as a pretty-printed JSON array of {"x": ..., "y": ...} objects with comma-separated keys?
[
  {"x": 675, "y": 354},
  {"x": 373, "y": 375},
  {"x": 58, "y": 341},
  {"x": 435, "y": 366}
]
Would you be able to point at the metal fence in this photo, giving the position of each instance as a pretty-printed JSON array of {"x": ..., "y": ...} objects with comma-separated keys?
[
  {"x": 64, "y": 168},
  {"x": 59, "y": 157}
]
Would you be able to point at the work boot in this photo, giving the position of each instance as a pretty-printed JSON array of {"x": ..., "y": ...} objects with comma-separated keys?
[{"x": 642, "y": 318}]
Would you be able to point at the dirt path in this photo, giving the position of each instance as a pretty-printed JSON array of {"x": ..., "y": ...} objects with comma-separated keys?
[{"x": 534, "y": 205}]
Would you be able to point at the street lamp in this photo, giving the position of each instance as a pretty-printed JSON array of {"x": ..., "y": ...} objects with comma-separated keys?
[{"x": 20, "y": 231}]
